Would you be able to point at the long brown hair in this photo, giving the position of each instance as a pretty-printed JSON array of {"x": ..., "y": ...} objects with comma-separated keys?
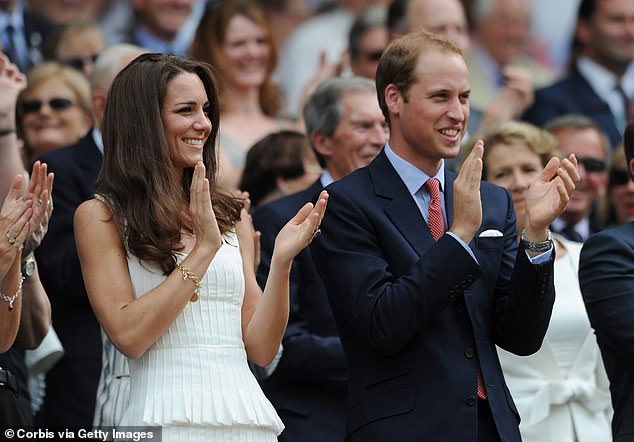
[
  {"x": 137, "y": 174},
  {"x": 210, "y": 37}
]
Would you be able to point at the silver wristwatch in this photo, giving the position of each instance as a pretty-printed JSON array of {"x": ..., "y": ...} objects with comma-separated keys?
[{"x": 537, "y": 246}]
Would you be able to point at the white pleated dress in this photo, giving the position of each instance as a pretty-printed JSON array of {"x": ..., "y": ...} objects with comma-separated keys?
[{"x": 194, "y": 381}]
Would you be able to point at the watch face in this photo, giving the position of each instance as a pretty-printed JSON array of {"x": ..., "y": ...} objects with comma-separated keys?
[{"x": 29, "y": 267}]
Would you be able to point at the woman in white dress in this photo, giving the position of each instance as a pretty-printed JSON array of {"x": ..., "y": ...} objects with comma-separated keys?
[
  {"x": 561, "y": 392},
  {"x": 168, "y": 260}
]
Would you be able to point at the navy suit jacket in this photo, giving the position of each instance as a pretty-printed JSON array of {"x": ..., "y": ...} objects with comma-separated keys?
[
  {"x": 572, "y": 95},
  {"x": 309, "y": 386},
  {"x": 606, "y": 276},
  {"x": 70, "y": 398},
  {"x": 415, "y": 315}
]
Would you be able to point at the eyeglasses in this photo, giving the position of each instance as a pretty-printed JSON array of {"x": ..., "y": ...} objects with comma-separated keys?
[
  {"x": 80, "y": 62},
  {"x": 57, "y": 104},
  {"x": 373, "y": 56},
  {"x": 592, "y": 165},
  {"x": 619, "y": 178}
]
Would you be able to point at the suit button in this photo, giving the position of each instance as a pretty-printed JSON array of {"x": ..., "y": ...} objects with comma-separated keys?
[
  {"x": 471, "y": 401},
  {"x": 452, "y": 293},
  {"x": 460, "y": 308},
  {"x": 469, "y": 278},
  {"x": 469, "y": 353},
  {"x": 465, "y": 284}
]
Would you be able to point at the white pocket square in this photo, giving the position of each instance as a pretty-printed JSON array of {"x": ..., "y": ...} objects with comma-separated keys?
[{"x": 491, "y": 233}]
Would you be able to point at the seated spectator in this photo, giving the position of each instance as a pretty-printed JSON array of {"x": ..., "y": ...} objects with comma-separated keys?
[
  {"x": 367, "y": 39},
  {"x": 561, "y": 392},
  {"x": 25, "y": 313},
  {"x": 236, "y": 39},
  {"x": 501, "y": 30},
  {"x": 77, "y": 45},
  {"x": 280, "y": 164},
  {"x": 54, "y": 110},
  {"x": 600, "y": 80},
  {"x": 618, "y": 206}
]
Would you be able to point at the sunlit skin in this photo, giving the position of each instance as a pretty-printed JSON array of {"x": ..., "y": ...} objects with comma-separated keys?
[
  {"x": 433, "y": 116},
  {"x": 248, "y": 52},
  {"x": 85, "y": 46},
  {"x": 49, "y": 129},
  {"x": 185, "y": 120},
  {"x": 514, "y": 167},
  {"x": 358, "y": 138},
  {"x": 585, "y": 143},
  {"x": 444, "y": 17}
]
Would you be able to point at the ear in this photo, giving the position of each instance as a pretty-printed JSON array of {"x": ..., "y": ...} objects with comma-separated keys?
[
  {"x": 98, "y": 105},
  {"x": 582, "y": 32},
  {"x": 393, "y": 99},
  {"x": 632, "y": 167},
  {"x": 322, "y": 143}
]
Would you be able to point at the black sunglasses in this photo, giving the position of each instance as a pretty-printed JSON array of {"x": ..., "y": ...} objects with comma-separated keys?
[
  {"x": 79, "y": 62},
  {"x": 373, "y": 56},
  {"x": 56, "y": 104},
  {"x": 592, "y": 165},
  {"x": 618, "y": 178}
]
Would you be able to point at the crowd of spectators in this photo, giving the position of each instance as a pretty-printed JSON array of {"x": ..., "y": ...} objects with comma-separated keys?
[{"x": 568, "y": 71}]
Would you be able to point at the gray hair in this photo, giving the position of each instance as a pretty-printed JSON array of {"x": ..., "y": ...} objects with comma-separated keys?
[
  {"x": 580, "y": 122},
  {"x": 323, "y": 111},
  {"x": 109, "y": 63},
  {"x": 372, "y": 17}
]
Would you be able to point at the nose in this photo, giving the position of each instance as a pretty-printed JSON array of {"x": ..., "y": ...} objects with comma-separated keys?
[
  {"x": 202, "y": 123},
  {"x": 457, "y": 110},
  {"x": 378, "y": 135}
]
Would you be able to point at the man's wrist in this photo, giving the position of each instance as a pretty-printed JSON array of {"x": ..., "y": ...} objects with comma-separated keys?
[{"x": 536, "y": 246}]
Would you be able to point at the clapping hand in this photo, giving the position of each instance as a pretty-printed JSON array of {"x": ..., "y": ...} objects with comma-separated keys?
[
  {"x": 301, "y": 229},
  {"x": 15, "y": 215},
  {"x": 203, "y": 218},
  {"x": 39, "y": 192},
  {"x": 548, "y": 197}
]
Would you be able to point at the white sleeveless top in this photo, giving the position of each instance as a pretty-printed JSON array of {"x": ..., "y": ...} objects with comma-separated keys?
[{"x": 197, "y": 374}]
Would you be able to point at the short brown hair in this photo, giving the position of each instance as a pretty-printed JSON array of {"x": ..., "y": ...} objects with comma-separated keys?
[{"x": 399, "y": 61}]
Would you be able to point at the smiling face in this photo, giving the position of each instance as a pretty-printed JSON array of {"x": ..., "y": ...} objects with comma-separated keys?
[
  {"x": 185, "y": 120},
  {"x": 429, "y": 121},
  {"x": 52, "y": 126},
  {"x": 358, "y": 138},
  {"x": 247, "y": 49},
  {"x": 513, "y": 166},
  {"x": 585, "y": 144}
]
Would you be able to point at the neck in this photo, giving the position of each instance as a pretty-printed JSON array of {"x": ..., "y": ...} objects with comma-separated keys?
[{"x": 244, "y": 101}]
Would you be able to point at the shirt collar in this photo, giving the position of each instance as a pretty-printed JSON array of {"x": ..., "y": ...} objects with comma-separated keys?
[
  {"x": 97, "y": 138},
  {"x": 147, "y": 40},
  {"x": 412, "y": 176},
  {"x": 326, "y": 179},
  {"x": 16, "y": 19},
  {"x": 604, "y": 81}
]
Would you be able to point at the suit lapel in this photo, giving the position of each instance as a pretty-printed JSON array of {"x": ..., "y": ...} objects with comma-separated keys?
[{"x": 400, "y": 207}]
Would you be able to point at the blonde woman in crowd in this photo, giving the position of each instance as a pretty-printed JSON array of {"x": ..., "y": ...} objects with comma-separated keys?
[{"x": 561, "y": 392}]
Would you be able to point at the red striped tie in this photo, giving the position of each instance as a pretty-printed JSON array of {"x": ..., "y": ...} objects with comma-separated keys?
[
  {"x": 436, "y": 224},
  {"x": 435, "y": 219}
]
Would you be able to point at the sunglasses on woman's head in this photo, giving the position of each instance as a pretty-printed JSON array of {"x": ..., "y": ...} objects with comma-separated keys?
[{"x": 56, "y": 104}]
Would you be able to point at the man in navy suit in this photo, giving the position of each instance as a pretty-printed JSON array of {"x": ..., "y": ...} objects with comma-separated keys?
[
  {"x": 71, "y": 385},
  {"x": 606, "y": 276},
  {"x": 600, "y": 83},
  {"x": 309, "y": 386},
  {"x": 419, "y": 317}
]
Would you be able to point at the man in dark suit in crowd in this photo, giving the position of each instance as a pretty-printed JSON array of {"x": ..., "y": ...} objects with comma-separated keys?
[
  {"x": 419, "y": 311},
  {"x": 71, "y": 384},
  {"x": 309, "y": 386},
  {"x": 606, "y": 276},
  {"x": 600, "y": 83},
  {"x": 24, "y": 34},
  {"x": 580, "y": 135}
]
